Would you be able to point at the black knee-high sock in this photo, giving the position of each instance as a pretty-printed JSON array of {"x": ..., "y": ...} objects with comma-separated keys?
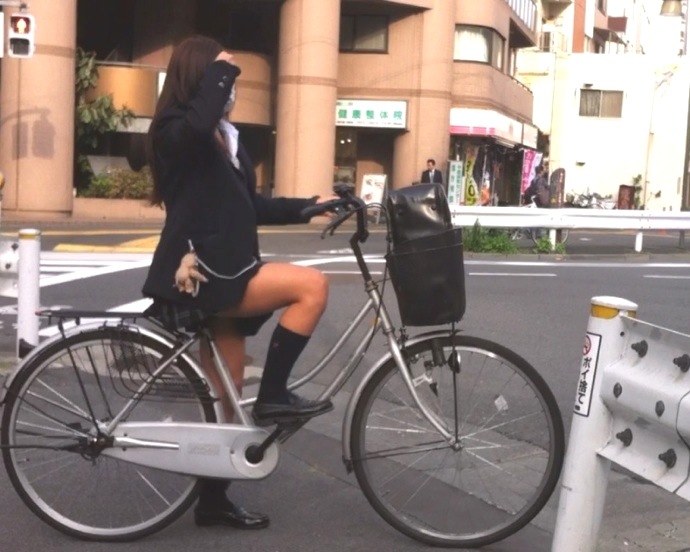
[
  {"x": 283, "y": 351},
  {"x": 212, "y": 492}
]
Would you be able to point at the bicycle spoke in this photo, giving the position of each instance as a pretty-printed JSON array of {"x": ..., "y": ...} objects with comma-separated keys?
[
  {"x": 502, "y": 466},
  {"x": 439, "y": 445},
  {"x": 51, "y": 441}
]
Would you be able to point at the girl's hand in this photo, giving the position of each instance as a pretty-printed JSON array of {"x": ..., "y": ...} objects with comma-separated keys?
[
  {"x": 187, "y": 277},
  {"x": 329, "y": 214},
  {"x": 226, "y": 56}
]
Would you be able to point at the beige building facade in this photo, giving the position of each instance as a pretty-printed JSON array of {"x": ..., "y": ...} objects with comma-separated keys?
[{"x": 330, "y": 89}]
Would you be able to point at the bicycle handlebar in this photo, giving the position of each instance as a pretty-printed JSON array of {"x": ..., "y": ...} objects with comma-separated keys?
[
  {"x": 345, "y": 207},
  {"x": 323, "y": 208}
]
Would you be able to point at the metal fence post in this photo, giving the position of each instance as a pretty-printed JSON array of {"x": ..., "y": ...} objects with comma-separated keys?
[
  {"x": 585, "y": 473},
  {"x": 28, "y": 290}
]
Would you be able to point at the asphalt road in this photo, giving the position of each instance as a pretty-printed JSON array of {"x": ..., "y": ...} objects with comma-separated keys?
[{"x": 537, "y": 306}]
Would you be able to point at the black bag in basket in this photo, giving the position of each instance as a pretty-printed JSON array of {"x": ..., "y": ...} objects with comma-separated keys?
[
  {"x": 417, "y": 211},
  {"x": 426, "y": 261}
]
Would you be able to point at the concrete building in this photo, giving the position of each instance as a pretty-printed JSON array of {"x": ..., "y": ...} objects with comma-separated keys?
[
  {"x": 611, "y": 96},
  {"x": 330, "y": 89}
]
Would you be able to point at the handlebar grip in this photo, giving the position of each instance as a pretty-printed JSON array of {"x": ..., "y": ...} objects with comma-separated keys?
[{"x": 325, "y": 207}]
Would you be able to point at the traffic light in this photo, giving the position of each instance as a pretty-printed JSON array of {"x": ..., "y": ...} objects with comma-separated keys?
[{"x": 21, "y": 35}]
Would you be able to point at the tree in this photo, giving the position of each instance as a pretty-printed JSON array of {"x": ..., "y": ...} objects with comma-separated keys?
[{"x": 95, "y": 117}]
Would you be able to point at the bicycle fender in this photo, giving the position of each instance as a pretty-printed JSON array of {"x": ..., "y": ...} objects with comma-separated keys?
[{"x": 357, "y": 393}]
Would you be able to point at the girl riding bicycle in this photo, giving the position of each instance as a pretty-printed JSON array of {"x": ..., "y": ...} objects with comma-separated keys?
[{"x": 206, "y": 268}]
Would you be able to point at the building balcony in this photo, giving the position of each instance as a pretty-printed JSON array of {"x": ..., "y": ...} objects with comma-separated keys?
[
  {"x": 482, "y": 86},
  {"x": 610, "y": 29}
]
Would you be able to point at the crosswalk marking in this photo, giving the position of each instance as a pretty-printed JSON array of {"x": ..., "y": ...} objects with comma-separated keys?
[{"x": 59, "y": 268}]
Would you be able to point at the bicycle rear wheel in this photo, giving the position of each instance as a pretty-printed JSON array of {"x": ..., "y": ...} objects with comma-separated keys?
[
  {"x": 509, "y": 452},
  {"x": 49, "y": 423}
]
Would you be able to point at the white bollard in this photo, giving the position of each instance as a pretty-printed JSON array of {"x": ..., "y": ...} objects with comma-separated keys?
[
  {"x": 28, "y": 290},
  {"x": 638, "y": 242},
  {"x": 585, "y": 473}
]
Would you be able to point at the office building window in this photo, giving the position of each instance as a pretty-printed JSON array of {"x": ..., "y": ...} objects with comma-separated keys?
[
  {"x": 480, "y": 44},
  {"x": 601, "y": 103},
  {"x": 363, "y": 33}
]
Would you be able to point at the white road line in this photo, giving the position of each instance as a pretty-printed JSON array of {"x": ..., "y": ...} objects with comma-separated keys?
[
  {"x": 530, "y": 274},
  {"x": 666, "y": 277},
  {"x": 91, "y": 272},
  {"x": 350, "y": 272}
]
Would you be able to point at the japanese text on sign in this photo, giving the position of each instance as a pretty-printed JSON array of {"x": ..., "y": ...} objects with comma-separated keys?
[
  {"x": 371, "y": 113},
  {"x": 588, "y": 371}
]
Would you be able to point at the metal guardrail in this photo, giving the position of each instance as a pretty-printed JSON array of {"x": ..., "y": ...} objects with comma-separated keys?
[
  {"x": 632, "y": 407},
  {"x": 583, "y": 219}
]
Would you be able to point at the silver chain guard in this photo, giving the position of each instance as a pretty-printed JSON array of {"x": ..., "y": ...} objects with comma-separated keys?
[{"x": 197, "y": 449}]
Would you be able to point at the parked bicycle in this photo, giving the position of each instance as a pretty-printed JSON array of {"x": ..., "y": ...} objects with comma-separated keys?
[
  {"x": 455, "y": 440},
  {"x": 588, "y": 200},
  {"x": 536, "y": 234}
]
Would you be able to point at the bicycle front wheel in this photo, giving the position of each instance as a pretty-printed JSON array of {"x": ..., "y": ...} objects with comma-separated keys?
[
  {"x": 52, "y": 415},
  {"x": 506, "y": 456}
]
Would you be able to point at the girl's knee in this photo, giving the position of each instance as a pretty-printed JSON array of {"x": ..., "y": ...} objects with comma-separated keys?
[{"x": 318, "y": 288}]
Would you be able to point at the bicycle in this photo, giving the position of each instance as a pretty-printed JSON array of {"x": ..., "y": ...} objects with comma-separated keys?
[
  {"x": 455, "y": 441},
  {"x": 536, "y": 234}
]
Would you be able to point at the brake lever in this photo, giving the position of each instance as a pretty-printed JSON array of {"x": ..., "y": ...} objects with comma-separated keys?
[{"x": 333, "y": 225}]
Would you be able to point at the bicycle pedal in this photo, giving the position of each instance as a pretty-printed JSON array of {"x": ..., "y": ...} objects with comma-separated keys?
[{"x": 285, "y": 423}]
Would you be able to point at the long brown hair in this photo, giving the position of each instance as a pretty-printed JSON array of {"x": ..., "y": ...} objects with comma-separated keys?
[{"x": 187, "y": 65}]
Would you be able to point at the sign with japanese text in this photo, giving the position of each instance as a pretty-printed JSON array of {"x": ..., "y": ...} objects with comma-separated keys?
[
  {"x": 371, "y": 113},
  {"x": 530, "y": 161},
  {"x": 456, "y": 190},
  {"x": 471, "y": 186},
  {"x": 588, "y": 372}
]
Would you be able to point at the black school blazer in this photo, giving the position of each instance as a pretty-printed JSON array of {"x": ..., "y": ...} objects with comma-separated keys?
[{"x": 208, "y": 202}]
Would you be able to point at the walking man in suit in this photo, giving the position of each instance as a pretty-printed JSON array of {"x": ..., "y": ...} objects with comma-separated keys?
[{"x": 431, "y": 174}]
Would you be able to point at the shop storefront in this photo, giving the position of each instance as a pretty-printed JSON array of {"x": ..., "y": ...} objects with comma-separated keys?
[
  {"x": 365, "y": 137},
  {"x": 487, "y": 149}
]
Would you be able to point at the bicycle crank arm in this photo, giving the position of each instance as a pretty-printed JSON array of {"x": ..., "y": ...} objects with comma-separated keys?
[{"x": 197, "y": 449}]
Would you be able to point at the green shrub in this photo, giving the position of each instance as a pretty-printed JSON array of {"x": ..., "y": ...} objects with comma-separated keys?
[
  {"x": 119, "y": 184},
  {"x": 544, "y": 246},
  {"x": 491, "y": 240}
]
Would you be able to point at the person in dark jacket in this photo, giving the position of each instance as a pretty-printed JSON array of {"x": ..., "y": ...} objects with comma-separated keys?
[
  {"x": 539, "y": 188},
  {"x": 431, "y": 174},
  {"x": 206, "y": 268}
]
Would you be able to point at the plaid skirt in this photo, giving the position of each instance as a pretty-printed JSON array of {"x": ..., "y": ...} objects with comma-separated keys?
[{"x": 175, "y": 316}]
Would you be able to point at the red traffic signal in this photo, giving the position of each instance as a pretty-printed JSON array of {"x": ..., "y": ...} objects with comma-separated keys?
[
  {"x": 21, "y": 24},
  {"x": 21, "y": 35}
]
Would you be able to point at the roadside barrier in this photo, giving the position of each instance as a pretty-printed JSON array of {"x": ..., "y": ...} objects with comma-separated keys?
[
  {"x": 582, "y": 219},
  {"x": 632, "y": 407}
]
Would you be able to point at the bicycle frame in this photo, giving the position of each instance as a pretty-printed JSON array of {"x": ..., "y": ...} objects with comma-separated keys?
[{"x": 141, "y": 442}]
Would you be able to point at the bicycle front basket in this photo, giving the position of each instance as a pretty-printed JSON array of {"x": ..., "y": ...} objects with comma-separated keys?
[{"x": 428, "y": 276}]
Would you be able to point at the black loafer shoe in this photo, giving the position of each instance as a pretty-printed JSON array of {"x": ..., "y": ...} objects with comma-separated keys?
[
  {"x": 230, "y": 515},
  {"x": 294, "y": 408}
]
